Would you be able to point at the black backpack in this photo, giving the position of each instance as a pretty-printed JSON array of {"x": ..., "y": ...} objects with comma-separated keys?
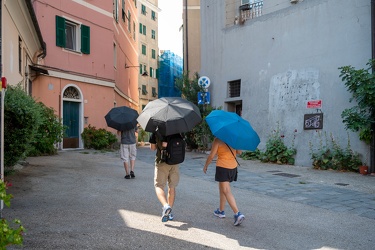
[{"x": 175, "y": 151}]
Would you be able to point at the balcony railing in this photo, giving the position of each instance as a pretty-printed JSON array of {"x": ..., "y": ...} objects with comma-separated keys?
[{"x": 251, "y": 10}]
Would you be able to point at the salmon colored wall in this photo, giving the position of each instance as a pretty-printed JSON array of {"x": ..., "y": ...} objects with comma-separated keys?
[
  {"x": 94, "y": 106},
  {"x": 98, "y": 65},
  {"x": 100, "y": 60}
]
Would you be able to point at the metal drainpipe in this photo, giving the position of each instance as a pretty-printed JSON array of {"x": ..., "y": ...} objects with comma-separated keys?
[
  {"x": 186, "y": 37},
  {"x": 372, "y": 146}
]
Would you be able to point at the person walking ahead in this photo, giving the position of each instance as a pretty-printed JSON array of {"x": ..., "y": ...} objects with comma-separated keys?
[
  {"x": 164, "y": 174},
  {"x": 226, "y": 172},
  {"x": 128, "y": 150}
]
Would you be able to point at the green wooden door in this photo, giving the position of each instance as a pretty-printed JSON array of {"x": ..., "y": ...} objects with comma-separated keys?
[{"x": 71, "y": 121}]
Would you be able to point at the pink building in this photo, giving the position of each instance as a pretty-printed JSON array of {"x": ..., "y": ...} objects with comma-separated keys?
[{"x": 83, "y": 74}]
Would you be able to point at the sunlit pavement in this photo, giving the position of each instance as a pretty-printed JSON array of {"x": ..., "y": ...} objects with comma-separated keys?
[{"x": 80, "y": 200}]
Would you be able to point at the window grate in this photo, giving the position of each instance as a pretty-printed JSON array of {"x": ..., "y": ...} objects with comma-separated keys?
[{"x": 234, "y": 88}]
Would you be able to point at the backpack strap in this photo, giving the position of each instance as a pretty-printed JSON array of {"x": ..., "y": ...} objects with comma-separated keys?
[{"x": 233, "y": 154}]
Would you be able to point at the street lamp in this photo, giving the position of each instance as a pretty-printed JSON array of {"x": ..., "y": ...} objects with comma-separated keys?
[{"x": 143, "y": 74}]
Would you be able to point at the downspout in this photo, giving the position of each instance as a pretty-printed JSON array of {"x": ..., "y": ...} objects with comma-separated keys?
[
  {"x": 186, "y": 37},
  {"x": 372, "y": 146},
  {"x": 37, "y": 29}
]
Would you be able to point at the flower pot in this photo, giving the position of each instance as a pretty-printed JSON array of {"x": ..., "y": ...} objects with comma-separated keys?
[{"x": 363, "y": 170}]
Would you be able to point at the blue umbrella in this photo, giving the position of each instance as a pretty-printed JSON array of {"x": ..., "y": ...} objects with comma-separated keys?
[{"x": 233, "y": 130}]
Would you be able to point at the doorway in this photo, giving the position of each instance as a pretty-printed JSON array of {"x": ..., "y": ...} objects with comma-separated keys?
[{"x": 71, "y": 117}]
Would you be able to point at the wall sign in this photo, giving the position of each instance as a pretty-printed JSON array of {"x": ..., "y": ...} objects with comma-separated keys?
[{"x": 313, "y": 121}]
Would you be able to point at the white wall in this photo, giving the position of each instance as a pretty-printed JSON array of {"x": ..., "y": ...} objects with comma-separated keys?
[{"x": 286, "y": 58}]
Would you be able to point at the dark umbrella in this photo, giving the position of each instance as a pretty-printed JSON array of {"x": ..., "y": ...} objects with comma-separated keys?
[
  {"x": 233, "y": 130},
  {"x": 122, "y": 118},
  {"x": 169, "y": 115}
]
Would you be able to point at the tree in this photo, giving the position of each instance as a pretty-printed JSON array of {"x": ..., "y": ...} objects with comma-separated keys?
[
  {"x": 361, "y": 118},
  {"x": 201, "y": 134}
]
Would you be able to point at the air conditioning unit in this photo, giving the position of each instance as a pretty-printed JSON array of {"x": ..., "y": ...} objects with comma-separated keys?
[{"x": 243, "y": 2}]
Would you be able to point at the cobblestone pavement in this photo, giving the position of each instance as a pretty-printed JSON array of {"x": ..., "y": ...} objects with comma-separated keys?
[{"x": 332, "y": 190}]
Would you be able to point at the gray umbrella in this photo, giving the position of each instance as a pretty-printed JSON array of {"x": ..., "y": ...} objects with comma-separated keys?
[{"x": 169, "y": 115}]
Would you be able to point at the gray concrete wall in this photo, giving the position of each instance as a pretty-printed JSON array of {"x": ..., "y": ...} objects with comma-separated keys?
[{"x": 286, "y": 58}]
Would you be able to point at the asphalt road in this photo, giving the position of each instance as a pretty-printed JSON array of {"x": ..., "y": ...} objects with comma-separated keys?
[{"x": 80, "y": 200}]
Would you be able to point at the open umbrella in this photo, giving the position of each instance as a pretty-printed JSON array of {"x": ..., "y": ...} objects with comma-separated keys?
[
  {"x": 233, "y": 130},
  {"x": 169, "y": 115},
  {"x": 122, "y": 118}
]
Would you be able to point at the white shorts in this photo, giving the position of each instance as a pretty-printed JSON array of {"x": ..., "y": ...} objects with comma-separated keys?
[{"x": 128, "y": 152}]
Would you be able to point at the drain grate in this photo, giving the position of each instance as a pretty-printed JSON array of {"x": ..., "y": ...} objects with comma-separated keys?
[
  {"x": 341, "y": 184},
  {"x": 274, "y": 171},
  {"x": 287, "y": 175}
]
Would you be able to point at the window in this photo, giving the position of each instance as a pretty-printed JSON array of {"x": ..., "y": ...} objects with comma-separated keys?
[
  {"x": 144, "y": 68},
  {"x": 144, "y": 90},
  {"x": 115, "y": 10},
  {"x": 143, "y": 10},
  {"x": 123, "y": 10},
  {"x": 144, "y": 49},
  {"x": 72, "y": 36},
  {"x": 129, "y": 21},
  {"x": 20, "y": 55},
  {"x": 142, "y": 29},
  {"x": 234, "y": 88},
  {"x": 153, "y": 15},
  {"x": 153, "y": 34},
  {"x": 153, "y": 54},
  {"x": 154, "y": 94}
]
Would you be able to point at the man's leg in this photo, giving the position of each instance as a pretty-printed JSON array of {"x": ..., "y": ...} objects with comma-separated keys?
[{"x": 171, "y": 196}]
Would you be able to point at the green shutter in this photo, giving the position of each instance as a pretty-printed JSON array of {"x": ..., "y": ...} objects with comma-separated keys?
[
  {"x": 140, "y": 28},
  {"x": 85, "y": 39},
  {"x": 60, "y": 32}
]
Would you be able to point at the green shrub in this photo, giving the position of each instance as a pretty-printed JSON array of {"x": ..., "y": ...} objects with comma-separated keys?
[
  {"x": 22, "y": 118},
  {"x": 8, "y": 234},
  {"x": 330, "y": 155},
  {"x": 97, "y": 138},
  {"x": 48, "y": 134},
  {"x": 277, "y": 151},
  {"x": 251, "y": 155}
]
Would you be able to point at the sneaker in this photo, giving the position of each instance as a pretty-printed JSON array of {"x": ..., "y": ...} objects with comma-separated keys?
[
  {"x": 170, "y": 217},
  {"x": 127, "y": 176},
  {"x": 166, "y": 211},
  {"x": 132, "y": 174},
  {"x": 220, "y": 214},
  {"x": 238, "y": 218}
]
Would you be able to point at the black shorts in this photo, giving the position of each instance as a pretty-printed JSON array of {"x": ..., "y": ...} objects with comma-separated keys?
[{"x": 225, "y": 174}]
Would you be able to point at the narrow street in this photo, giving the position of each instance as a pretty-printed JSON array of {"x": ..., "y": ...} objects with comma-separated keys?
[{"x": 80, "y": 200}]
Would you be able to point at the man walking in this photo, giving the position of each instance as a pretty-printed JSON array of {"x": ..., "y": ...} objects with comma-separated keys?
[
  {"x": 164, "y": 175},
  {"x": 128, "y": 150}
]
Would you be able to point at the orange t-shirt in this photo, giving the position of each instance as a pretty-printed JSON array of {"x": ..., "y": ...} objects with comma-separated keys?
[{"x": 225, "y": 158}]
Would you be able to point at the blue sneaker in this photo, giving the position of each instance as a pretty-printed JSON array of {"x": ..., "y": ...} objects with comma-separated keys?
[
  {"x": 218, "y": 213},
  {"x": 166, "y": 211},
  {"x": 170, "y": 217},
  {"x": 238, "y": 218}
]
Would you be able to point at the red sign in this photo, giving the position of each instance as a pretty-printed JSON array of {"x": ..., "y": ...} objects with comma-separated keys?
[{"x": 315, "y": 104}]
